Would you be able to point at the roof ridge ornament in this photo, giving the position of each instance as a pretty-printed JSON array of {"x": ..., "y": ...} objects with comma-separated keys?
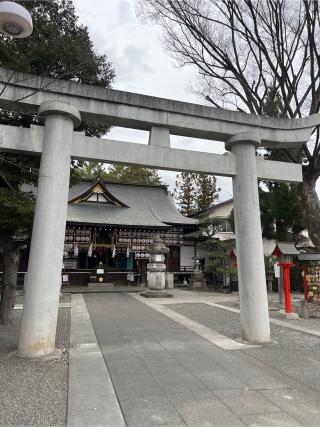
[{"x": 93, "y": 189}]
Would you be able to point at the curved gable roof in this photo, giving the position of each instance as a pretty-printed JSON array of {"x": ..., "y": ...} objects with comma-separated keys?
[
  {"x": 146, "y": 206},
  {"x": 91, "y": 189}
]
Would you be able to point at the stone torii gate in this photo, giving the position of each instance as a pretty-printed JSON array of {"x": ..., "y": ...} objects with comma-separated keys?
[{"x": 63, "y": 104}]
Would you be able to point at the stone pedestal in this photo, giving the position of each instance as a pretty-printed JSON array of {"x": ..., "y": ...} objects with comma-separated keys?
[
  {"x": 289, "y": 316},
  {"x": 156, "y": 270}
]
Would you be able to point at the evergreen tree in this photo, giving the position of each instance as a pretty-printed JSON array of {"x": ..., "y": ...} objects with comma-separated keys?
[
  {"x": 60, "y": 47},
  {"x": 281, "y": 216},
  {"x": 185, "y": 193},
  {"x": 206, "y": 190},
  {"x": 218, "y": 260},
  {"x": 194, "y": 192},
  {"x": 119, "y": 173},
  {"x": 92, "y": 170},
  {"x": 134, "y": 175}
]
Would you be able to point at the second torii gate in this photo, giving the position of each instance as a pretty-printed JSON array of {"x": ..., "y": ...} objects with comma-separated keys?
[{"x": 65, "y": 104}]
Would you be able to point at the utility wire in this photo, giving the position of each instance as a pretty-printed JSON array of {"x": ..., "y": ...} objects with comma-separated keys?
[{"x": 32, "y": 171}]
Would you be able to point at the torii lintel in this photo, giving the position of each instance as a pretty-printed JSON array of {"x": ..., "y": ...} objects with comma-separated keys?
[{"x": 26, "y": 92}]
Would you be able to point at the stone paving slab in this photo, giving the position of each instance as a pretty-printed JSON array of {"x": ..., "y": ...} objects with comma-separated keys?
[
  {"x": 151, "y": 411},
  {"x": 245, "y": 369},
  {"x": 274, "y": 419},
  {"x": 176, "y": 379},
  {"x": 142, "y": 389},
  {"x": 204, "y": 409},
  {"x": 303, "y": 406},
  {"x": 246, "y": 402},
  {"x": 165, "y": 374}
]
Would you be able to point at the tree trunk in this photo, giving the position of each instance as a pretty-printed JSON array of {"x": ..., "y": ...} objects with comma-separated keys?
[
  {"x": 11, "y": 256},
  {"x": 311, "y": 204}
]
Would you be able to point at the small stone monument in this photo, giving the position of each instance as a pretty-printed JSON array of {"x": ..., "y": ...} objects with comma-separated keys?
[{"x": 156, "y": 270}]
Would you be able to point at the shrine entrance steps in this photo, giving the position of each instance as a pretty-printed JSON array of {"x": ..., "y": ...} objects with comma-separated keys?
[{"x": 101, "y": 288}]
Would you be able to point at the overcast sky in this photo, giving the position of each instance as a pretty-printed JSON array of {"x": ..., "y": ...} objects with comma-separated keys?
[{"x": 142, "y": 66}]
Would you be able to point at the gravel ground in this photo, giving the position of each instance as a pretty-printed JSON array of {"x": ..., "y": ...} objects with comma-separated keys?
[
  {"x": 33, "y": 392},
  {"x": 228, "y": 323},
  {"x": 274, "y": 313},
  {"x": 64, "y": 297}
]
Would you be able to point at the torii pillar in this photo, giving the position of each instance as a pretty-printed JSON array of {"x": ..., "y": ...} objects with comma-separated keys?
[
  {"x": 254, "y": 315},
  {"x": 41, "y": 300}
]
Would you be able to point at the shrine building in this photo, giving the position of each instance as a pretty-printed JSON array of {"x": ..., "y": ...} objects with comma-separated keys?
[{"x": 113, "y": 223}]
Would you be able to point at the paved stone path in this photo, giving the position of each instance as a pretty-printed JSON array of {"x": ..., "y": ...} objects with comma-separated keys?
[{"x": 165, "y": 374}]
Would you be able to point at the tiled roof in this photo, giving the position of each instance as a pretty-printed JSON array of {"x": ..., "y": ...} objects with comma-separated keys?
[{"x": 149, "y": 206}]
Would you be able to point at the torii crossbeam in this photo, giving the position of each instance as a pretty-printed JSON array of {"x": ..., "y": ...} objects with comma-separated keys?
[{"x": 65, "y": 104}]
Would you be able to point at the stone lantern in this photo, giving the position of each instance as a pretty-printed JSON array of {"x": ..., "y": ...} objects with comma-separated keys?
[
  {"x": 156, "y": 270},
  {"x": 198, "y": 282},
  {"x": 269, "y": 274}
]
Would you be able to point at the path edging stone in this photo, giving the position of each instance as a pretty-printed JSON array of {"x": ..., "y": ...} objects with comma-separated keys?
[{"x": 91, "y": 397}]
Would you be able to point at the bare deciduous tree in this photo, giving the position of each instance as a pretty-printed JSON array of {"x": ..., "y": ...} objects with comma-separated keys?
[{"x": 244, "y": 48}]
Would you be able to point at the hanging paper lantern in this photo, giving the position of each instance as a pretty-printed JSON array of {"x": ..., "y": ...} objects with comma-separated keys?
[{"x": 90, "y": 250}]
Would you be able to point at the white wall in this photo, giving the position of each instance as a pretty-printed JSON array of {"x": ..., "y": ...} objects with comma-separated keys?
[
  {"x": 268, "y": 246},
  {"x": 222, "y": 211},
  {"x": 187, "y": 256}
]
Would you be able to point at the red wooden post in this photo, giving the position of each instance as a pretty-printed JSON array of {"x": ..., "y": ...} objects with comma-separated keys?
[
  {"x": 286, "y": 262},
  {"x": 286, "y": 286}
]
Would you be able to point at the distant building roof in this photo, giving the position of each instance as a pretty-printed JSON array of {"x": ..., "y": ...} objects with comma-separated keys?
[
  {"x": 211, "y": 208},
  {"x": 143, "y": 206},
  {"x": 287, "y": 248},
  {"x": 311, "y": 256}
]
